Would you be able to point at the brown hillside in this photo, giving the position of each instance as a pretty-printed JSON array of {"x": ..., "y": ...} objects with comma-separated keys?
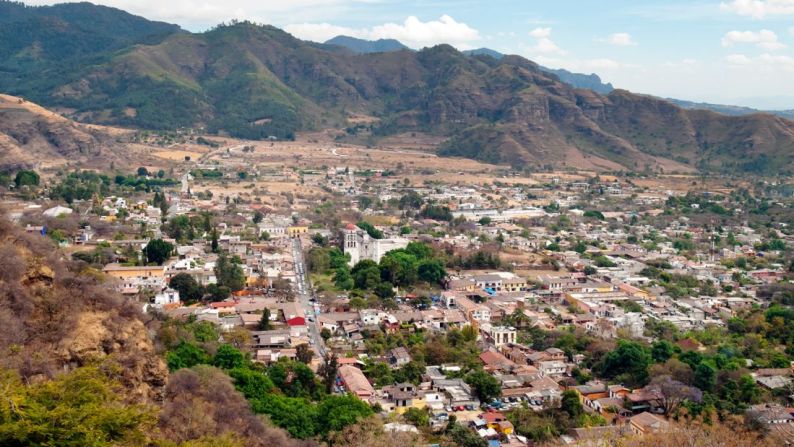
[
  {"x": 56, "y": 317},
  {"x": 256, "y": 81}
]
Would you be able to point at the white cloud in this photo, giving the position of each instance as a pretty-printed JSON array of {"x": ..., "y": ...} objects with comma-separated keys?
[
  {"x": 412, "y": 32},
  {"x": 540, "y": 33},
  {"x": 765, "y": 39},
  {"x": 320, "y": 32},
  {"x": 776, "y": 60},
  {"x": 764, "y": 63},
  {"x": 738, "y": 59},
  {"x": 197, "y": 15},
  {"x": 759, "y": 9},
  {"x": 620, "y": 39},
  {"x": 543, "y": 42}
]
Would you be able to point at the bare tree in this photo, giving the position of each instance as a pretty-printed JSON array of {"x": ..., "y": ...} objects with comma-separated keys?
[{"x": 673, "y": 393}]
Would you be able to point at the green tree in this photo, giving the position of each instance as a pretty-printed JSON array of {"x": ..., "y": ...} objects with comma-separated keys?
[
  {"x": 366, "y": 274},
  {"x": 229, "y": 273},
  {"x": 384, "y": 290},
  {"x": 296, "y": 415},
  {"x": 328, "y": 370},
  {"x": 303, "y": 353},
  {"x": 432, "y": 271},
  {"x": 320, "y": 240},
  {"x": 412, "y": 200},
  {"x": 342, "y": 279},
  {"x": 373, "y": 232},
  {"x": 464, "y": 437},
  {"x": 228, "y": 357},
  {"x": 217, "y": 293},
  {"x": 364, "y": 202},
  {"x": 705, "y": 377},
  {"x": 417, "y": 417},
  {"x": 603, "y": 261},
  {"x": 186, "y": 355},
  {"x": 26, "y": 178},
  {"x": 419, "y": 250},
  {"x": 629, "y": 363},
  {"x": 264, "y": 322},
  {"x": 325, "y": 334},
  {"x": 399, "y": 268},
  {"x": 80, "y": 408},
  {"x": 214, "y": 241},
  {"x": 253, "y": 384},
  {"x": 337, "y": 412},
  {"x": 158, "y": 251},
  {"x": 189, "y": 290},
  {"x": 571, "y": 404},
  {"x": 662, "y": 351},
  {"x": 484, "y": 385}
]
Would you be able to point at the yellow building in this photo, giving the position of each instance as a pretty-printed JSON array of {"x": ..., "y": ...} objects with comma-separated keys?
[
  {"x": 297, "y": 231},
  {"x": 134, "y": 272},
  {"x": 498, "y": 422},
  {"x": 416, "y": 402}
]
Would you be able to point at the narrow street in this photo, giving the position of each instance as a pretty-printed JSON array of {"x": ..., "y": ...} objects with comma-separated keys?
[{"x": 304, "y": 296}]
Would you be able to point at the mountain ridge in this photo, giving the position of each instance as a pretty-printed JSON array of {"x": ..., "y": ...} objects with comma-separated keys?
[
  {"x": 594, "y": 82},
  {"x": 363, "y": 46},
  {"x": 254, "y": 81}
]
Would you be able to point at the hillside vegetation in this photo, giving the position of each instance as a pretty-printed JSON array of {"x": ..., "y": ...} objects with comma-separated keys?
[
  {"x": 254, "y": 81},
  {"x": 78, "y": 367}
]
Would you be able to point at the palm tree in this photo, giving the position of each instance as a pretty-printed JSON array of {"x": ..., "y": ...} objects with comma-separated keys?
[{"x": 519, "y": 319}]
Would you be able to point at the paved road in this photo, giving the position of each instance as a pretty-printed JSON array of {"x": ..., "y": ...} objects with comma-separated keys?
[{"x": 304, "y": 294}]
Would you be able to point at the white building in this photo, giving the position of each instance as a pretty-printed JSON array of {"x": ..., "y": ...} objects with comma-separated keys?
[
  {"x": 499, "y": 335},
  {"x": 501, "y": 215},
  {"x": 361, "y": 246},
  {"x": 552, "y": 368},
  {"x": 167, "y": 296}
]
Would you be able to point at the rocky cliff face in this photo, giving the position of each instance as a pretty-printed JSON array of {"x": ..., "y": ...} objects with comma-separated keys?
[{"x": 57, "y": 316}]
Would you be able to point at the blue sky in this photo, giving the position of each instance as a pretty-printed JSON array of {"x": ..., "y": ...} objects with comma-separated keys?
[{"x": 725, "y": 51}]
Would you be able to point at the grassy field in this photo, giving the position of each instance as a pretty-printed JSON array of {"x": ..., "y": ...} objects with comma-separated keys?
[{"x": 322, "y": 282}]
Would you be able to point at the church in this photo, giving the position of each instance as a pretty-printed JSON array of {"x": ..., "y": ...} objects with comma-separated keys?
[{"x": 361, "y": 245}]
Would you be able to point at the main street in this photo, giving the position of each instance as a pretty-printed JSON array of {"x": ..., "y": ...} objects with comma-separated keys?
[{"x": 304, "y": 296}]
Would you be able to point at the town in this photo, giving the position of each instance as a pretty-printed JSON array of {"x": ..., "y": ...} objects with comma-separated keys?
[{"x": 463, "y": 303}]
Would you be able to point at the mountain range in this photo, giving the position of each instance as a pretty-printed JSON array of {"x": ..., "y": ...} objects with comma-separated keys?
[
  {"x": 578, "y": 80},
  {"x": 102, "y": 65},
  {"x": 362, "y": 46}
]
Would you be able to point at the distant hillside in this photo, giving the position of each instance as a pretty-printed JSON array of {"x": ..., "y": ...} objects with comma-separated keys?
[
  {"x": 484, "y": 52},
  {"x": 362, "y": 46},
  {"x": 255, "y": 81},
  {"x": 34, "y": 137},
  {"x": 577, "y": 80},
  {"x": 591, "y": 82},
  {"x": 729, "y": 110},
  {"x": 53, "y": 42}
]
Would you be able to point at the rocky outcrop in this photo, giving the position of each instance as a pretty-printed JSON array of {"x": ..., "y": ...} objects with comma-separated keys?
[{"x": 56, "y": 317}]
